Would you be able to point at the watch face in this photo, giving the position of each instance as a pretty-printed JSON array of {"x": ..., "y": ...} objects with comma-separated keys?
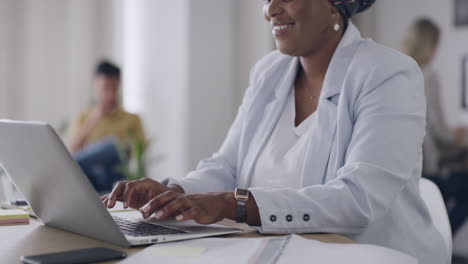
[{"x": 241, "y": 194}]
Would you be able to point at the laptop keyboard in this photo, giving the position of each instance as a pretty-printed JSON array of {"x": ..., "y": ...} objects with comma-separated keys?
[{"x": 139, "y": 229}]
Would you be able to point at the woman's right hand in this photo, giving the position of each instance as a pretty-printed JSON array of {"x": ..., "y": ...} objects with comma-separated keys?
[{"x": 134, "y": 194}]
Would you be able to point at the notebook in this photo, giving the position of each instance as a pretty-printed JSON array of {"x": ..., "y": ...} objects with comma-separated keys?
[{"x": 13, "y": 216}]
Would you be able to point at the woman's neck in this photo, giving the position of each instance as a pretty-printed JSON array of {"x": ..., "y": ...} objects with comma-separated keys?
[{"x": 314, "y": 66}]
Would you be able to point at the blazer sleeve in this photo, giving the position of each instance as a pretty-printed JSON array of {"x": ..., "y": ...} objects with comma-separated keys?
[
  {"x": 218, "y": 173},
  {"x": 385, "y": 148}
]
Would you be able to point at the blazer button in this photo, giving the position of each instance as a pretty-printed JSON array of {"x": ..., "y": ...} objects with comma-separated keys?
[
  {"x": 289, "y": 218},
  {"x": 273, "y": 218},
  {"x": 306, "y": 217}
]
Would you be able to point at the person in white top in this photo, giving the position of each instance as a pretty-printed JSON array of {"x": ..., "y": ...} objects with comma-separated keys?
[
  {"x": 328, "y": 139},
  {"x": 421, "y": 43}
]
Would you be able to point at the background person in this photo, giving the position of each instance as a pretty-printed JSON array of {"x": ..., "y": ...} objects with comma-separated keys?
[
  {"x": 99, "y": 132},
  {"x": 444, "y": 160}
]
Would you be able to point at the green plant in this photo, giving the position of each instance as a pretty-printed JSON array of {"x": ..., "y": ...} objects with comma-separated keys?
[{"x": 133, "y": 154}]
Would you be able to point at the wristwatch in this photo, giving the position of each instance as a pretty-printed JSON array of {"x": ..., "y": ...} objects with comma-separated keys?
[{"x": 242, "y": 196}]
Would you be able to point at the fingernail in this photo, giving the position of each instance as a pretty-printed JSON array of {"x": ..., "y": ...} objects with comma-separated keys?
[
  {"x": 159, "y": 214},
  {"x": 145, "y": 209},
  {"x": 179, "y": 218},
  {"x": 143, "y": 212}
]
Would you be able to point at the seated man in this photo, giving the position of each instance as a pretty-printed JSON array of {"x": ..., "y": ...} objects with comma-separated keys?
[{"x": 97, "y": 136}]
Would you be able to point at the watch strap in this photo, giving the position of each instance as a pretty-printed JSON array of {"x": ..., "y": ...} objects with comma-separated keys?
[
  {"x": 241, "y": 214},
  {"x": 242, "y": 196}
]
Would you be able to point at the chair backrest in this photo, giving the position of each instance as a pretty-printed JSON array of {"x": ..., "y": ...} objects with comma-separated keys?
[{"x": 436, "y": 206}]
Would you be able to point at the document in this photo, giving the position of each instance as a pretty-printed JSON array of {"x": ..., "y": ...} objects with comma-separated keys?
[
  {"x": 301, "y": 250},
  {"x": 267, "y": 250},
  {"x": 206, "y": 250}
]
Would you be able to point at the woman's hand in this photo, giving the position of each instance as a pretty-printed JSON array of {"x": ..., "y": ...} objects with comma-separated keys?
[
  {"x": 135, "y": 194},
  {"x": 206, "y": 208}
]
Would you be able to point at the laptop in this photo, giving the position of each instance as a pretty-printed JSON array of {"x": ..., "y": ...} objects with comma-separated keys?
[{"x": 61, "y": 196}]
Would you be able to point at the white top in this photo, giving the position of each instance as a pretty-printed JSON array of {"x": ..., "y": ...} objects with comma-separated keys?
[
  {"x": 438, "y": 134},
  {"x": 281, "y": 161}
]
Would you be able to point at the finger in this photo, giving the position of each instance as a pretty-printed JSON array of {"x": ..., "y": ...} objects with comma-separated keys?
[
  {"x": 104, "y": 197},
  {"x": 116, "y": 193},
  {"x": 105, "y": 201},
  {"x": 128, "y": 194},
  {"x": 160, "y": 200},
  {"x": 139, "y": 199},
  {"x": 189, "y": 214},
  {"x": 173, "y": 208}
]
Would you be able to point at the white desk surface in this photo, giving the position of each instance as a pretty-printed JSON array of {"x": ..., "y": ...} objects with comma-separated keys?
[{"x": 35, "y": 238}]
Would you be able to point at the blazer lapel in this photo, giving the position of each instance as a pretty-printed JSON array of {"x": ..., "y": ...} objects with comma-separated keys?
[
  {"x": 323, "y": 135},
  {"x": 271, "y": 115},
  {"x": 320, "y": 144}
]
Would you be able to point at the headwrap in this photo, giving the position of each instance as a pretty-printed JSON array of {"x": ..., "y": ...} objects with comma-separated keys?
[{"x": 348, "y": 8}]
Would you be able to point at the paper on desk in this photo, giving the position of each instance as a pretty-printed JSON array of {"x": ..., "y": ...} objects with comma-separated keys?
[
  {"x": 267, "y": 250},
  {"x": 229, "y": 250},
  {"x": 177, "y": 251},
  {"x": 301, "y": 250}
]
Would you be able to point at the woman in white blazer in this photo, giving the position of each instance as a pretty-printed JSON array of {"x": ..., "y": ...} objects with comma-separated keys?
[{"x": 328, "y": 139}]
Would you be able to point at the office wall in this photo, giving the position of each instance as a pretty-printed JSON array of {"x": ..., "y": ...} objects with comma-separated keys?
[
  {"x": 212, "y": 86},
  {"x": 51, "y": 47},
  {"x": 185, "y": 64},
  {"x": 155, "y": 57},
  {"x": 12, "y": 44},
  {"x": 254, "y": 41},
  {"x": 388, "y": 23},
  {"x": 185, "y": 78},
  {"x": 3, "y": 54},
  {"x": 225, "y": 39}
]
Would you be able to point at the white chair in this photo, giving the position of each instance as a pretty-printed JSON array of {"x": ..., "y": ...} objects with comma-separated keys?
[{"x": 436, "y": 206}]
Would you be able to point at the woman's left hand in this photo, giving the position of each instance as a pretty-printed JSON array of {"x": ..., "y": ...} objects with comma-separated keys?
[{"x": 206, "y": 208}]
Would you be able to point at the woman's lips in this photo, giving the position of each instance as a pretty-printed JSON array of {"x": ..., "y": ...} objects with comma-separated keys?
[{"x": 280, "y": 30}]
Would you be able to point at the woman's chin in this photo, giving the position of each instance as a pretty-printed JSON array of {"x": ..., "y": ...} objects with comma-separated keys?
[{"x": 287, "y": 49}]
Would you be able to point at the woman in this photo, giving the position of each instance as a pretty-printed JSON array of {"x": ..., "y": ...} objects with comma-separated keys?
[
  {"x": 327, "y": 139},
  {"x": 421, "y": 43}
]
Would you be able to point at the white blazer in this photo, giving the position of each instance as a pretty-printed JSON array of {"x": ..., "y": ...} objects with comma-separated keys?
[{"x": 363, "y": 163}]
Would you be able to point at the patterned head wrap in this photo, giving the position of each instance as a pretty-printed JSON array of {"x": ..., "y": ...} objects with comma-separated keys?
[{"x": 348, "y": 8}]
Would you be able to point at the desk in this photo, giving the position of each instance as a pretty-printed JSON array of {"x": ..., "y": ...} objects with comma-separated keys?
[{"x": 35, "y": 238}]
